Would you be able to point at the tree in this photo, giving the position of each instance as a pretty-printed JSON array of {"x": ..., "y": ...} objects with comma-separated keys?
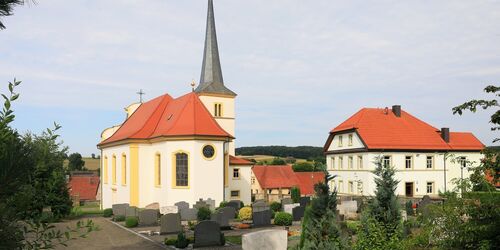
[
  {"x": 7, "y": 7},
  {"x": 277, "y": 161},
  {"x": 93, "y": 156},
  {"x": 303, "y": 167},
  {"x": 76, "y": 162},
  {"x": 319, "y": 227},
  {"x": 295, "y": 193},
  {"x": 382, "y": 219}
]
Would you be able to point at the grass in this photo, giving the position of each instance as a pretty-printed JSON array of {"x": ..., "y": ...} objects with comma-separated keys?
[
  {"x": 234, "y": 239},
  {"x": 90, "y": 164}
]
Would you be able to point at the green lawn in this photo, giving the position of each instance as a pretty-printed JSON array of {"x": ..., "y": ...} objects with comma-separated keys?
[{"x": 234, "y": 239}]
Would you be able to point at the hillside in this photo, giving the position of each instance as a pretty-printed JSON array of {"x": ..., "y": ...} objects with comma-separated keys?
[{"x": 300, "y": 152}]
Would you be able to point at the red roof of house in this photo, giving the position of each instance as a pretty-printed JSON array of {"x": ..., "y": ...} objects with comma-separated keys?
[
  {"x": 165, "y": 116},
  {"x": 381, "y": 129},
  {"x": 85, "y": 186},
  {"x": 233, "y": 160},
  {"x": 276, "y": 176}
]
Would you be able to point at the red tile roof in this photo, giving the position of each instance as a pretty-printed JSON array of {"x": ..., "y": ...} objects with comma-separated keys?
[
  {"x": 233, "y": 160},
  {"x": 85, "y": 186},
  {"x": 283, "y": 176},
  {"x": 165, "y": 116},
  {"x": 381, "y": 129}
]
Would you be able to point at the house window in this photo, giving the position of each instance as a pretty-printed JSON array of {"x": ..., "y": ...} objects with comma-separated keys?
[
  {"x": 430, "y": 187},
  {"x": 408, "y": 162},
  {"x": 181, "y": 170},
  {"x": 235, "y": 193},
  {"x": 350, "y": 162},
  {"x": 124, "y": 169},
  {"x": 341, "y": 186},
  {"x": 333, "y": 163},
  {"x": 350, "y": 187},
  {"x": 236, "y": 173},
  {"x": 253, "y": 180},
  {"x": 360, "y": 162},
  {"x": 157, "y": 170},
  {"x": 429, "y": 162},
  {"x": 218, "y": 109},
  {"x": 341, "y": 162},
  {"x": 340, "y": 141},
  {"x": 105, "y": 170},
  {"x": 269, "y": 191},
  {"x": 360, "y": 187},
  {"x": 463, "y": 162},
  {"x": 350, "y": 140},
  {"x": 386, "y": 161},
  {"x": 113, "y": 170}
]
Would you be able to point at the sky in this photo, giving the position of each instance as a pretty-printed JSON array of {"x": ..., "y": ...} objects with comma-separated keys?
[{"x": 299, "y": 67}]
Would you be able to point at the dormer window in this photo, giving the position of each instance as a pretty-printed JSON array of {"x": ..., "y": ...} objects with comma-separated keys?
[
  {"x": 350, "y": 140},
  {"x": 340, "y": 141},
  {"x": 218, "y": 109}
]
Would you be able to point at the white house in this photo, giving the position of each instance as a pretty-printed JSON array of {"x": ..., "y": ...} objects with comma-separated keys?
[
  {"x": 426, "y": 159},
  {"x": 177, "y": 149}
]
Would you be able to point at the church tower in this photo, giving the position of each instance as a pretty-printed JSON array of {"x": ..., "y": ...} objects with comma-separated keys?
[{"x": 211, "y": 90}]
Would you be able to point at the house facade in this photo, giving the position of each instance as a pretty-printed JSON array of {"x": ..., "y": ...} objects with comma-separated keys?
[{"x": 426, "y": 159}]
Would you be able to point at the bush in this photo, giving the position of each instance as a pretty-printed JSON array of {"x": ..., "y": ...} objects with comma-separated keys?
[
  {"x": 245, "y": 213},
  {"x": 303, "y": 167},
  {"x": 222, "y": 239},
  {"x": 108, "y": 212},
  {"x": 409, "y": 208},
  {"x": 223, "y": 204},
  {"x": 131, "y": 221},
  {"x": 181, "y": 242},
  {"x": 277, "y": 161},
  {"x": 275, "y": 206},
  {"x": 170, "y": 242},
  {"x": 353, "y": 226},
  {"x": 204, "y": 213},
  {"x": 283, "y": 219},
  {"x": 242, "y": 204},
  {"x": 119, "y": 218},
  {"x": 295, "y": 193}
]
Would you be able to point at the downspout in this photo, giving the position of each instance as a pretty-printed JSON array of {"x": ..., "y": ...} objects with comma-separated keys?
[{"x": 100, "y": 178}]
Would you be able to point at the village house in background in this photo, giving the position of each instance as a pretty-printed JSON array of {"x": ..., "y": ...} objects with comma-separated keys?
[
  {"x": 178, "y": 149},
  {"x": 274, "y": 182},
  {"x": 426, "y": 159},
  {"x": 83, "y": 186}
]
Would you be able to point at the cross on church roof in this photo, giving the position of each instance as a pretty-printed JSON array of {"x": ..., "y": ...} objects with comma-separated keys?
[{"x": 140, "y": 93}]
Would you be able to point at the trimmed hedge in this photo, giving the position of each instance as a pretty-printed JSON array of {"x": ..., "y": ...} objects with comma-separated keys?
[
  {"x": 108, "y": 212},
  {"x": 131, "y": 221},
  {"x": 283, "y": 219}
]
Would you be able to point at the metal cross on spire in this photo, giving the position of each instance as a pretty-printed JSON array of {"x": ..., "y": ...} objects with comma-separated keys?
[{"x": 140, "y": 93}]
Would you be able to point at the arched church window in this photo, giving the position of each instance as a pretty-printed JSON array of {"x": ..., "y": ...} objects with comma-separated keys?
[{"x": 181, "y": 170}]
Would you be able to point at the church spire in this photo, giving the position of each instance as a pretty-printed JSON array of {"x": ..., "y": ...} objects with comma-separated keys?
[{"x": 211, "y": 73}]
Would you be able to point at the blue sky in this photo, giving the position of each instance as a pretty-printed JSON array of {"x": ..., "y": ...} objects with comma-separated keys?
[{"x": 299, "y": 67}]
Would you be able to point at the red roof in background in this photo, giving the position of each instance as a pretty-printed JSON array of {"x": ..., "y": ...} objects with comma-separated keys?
[
  {"x": 85, "y": 186},
  {"x": 276, "y": 176},
  {"x": 165, "y": 116},
  {"x": 233, "y": 160},
  {"x": 383, "y": 130}
]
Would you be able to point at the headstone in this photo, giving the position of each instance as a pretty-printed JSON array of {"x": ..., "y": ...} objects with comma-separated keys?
[
  {"x": 182, "y": 205},
  {"x": 170, "y": 223},
  {"x": 154, "y": 205},
  {"x": 422, "y": 204},
  {"x": 148, "y": 217},
  {"x": 210, "y": 203},
  {"x": 236, "y": 204},
  {"x": 298, "y": 213},
  {"x": 260, "y": 206},
  {"x": 223, "y": 216},
  {"x": 261, "y": 218},
  {"x": 201, "y": 203},
  {"x": 288, "y": 208},
  {"x": 189, "y": 214},
  {"x": 206, "y": 234},
  {"x": 286, "y": 201},
  {"x": 169, "y": 210},
  {"x": 132, "y": 212},
  {"x": 404, "y": 215},
  {"x": 120, "y": 209},
  {"x": 304, "y": 201},
  {"x": 348, "y": 207},
  {"x": 270, "y": 239}
]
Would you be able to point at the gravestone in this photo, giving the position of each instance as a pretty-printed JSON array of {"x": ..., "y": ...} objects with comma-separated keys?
[
  {"x": 169, "y": 210},
  {"x": 288, "y": 208},
  {"x": 304, "y": 201},
  {"x": 286, "y": 201},
  {"x": 422, "y": 204},
  {"x": 170, "y": 223},
  {"x": 348, "y": 207},
  {"x": 298, "y": 213},
  {"x": 131, "y": 212},
  {"x": 223, "y": 216},
  {"x": 182, "y": 205},
  {"x": 154, "y": 205},
  {"x": 210, "y": 203},
  {"x": 261, "y": 218},
  {"x": 206, "y": 234},
  {"x": 236, "y": 204},
  {"x": 404, "y": 215},
  {"x": 189, "y": 214},
  {"x": 148, "y": 217},
  {"x": 260, "y": 206},
  {"x": 270, "y": 239},
  {"x": 120, "y": 209},
  {"x": 201, "y": 203}
]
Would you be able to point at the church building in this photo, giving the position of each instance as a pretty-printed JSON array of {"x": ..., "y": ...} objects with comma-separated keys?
[{"x": 178, "y": 149}]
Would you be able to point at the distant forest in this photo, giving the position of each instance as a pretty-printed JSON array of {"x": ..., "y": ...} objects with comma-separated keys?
[{"x": 300, "y": 152}]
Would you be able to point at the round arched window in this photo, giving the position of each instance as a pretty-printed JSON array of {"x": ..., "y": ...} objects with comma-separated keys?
[{"x": 208, "y": 151}]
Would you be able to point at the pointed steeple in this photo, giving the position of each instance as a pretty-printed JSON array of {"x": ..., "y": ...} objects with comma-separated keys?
[{"x": 211, "y": 73}]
